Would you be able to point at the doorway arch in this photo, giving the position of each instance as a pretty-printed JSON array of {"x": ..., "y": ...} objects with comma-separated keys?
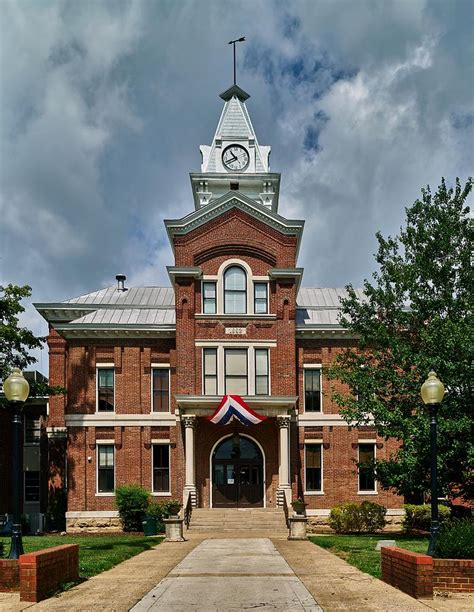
[{"x": 237, "y": 473}]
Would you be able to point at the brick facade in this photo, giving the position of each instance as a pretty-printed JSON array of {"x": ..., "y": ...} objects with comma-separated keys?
[{"x": 235, "y": 222}]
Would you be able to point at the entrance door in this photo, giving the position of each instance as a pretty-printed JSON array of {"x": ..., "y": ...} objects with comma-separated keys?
[{"x": 237, "y": 474}]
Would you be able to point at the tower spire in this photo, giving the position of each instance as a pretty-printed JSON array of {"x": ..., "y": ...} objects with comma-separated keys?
[{"x": 232, "y": 42}]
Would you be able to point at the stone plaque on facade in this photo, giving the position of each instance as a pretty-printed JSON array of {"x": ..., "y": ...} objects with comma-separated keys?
[{"x": 236, "y": 331}]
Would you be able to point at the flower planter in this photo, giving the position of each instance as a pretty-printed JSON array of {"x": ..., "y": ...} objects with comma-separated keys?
[{"x": 299, "y": 507}]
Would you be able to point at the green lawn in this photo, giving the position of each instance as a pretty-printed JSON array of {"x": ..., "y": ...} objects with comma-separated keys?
[
  {"x": 359, "y": 550},
  {"x": 96, "y": 553}
]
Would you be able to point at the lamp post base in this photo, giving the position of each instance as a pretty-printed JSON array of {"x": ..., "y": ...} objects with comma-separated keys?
[
  {"x": 16, "y": 547},
  {"x": 433, "y": 535}
]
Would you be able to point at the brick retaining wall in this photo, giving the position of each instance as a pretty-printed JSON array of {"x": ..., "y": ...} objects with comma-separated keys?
[
  {"x": 9, "y": 575},
  {"x": 42, "y": 572},
  {"x": 408, "y": 571},
  {"x": 418, "y": 574},
  {"x": 453, "y": 575},
  {"x": 38, "y": 574}
]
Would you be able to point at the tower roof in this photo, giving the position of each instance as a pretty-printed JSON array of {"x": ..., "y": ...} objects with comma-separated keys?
[
  {"x": 235, "y": 90},
  {"x": 235, "y": 125}
]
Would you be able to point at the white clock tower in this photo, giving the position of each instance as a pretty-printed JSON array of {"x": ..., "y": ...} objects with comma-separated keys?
[{"x": 235, "y": 161}]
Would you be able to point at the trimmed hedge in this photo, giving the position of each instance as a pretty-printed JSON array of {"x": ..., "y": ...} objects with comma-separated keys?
[
  {"x": 132, "y": 503},
  {"x": 455, "y": 540},
  {"x": 419, "y": 516},
  {"x": 367, "y": 517}
]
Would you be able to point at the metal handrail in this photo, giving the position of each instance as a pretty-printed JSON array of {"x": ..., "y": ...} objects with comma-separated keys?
[
  {"x": 286, "y": 511},
  {"x": 188, "y": 510}
]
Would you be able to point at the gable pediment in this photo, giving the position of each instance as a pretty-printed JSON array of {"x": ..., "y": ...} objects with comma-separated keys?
[{"x": 234, "y": 201}]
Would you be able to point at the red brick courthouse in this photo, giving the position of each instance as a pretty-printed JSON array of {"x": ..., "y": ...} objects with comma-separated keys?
[{"x": 145, "y": 366}]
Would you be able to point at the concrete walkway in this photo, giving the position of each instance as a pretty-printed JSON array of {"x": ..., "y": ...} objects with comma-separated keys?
[
  {"x": 226, "y": 575},
  {"x": 302, "y": 573}
]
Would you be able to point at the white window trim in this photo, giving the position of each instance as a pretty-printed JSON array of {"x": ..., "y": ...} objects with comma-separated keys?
[
  {"x": 161, "y": 443},
  {"x": 250, "y": 346},
  {"x": 261, "y": 282},
  {"x": 374, "y": 443},
  {"x": 255, "y": 370},
  {"x": 309, "y": 443},
  {"x": 206, "y": 279},
  {"x": 103, "y": 366},
  {"x": 250, "y": 289},
  {"x": 203, "y": 386},
  {"x": 313, "y": 366},
  {"x": 160, "y": 366},
  {"x": 98, "y": 445}
]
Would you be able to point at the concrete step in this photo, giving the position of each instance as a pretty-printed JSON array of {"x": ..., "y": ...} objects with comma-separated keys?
[{"x": 256, "y": 520}]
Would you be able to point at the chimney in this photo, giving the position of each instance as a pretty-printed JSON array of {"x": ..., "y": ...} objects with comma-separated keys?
[{"x": 121, "y": 278}]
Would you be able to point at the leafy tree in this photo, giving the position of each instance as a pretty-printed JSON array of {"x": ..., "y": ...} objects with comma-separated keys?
[
  {"x": 16, "y": 342},
  {"x": 416, "y": 316}
]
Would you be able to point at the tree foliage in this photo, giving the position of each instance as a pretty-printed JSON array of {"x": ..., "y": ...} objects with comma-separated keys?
[
  {"x": 416, "y": 316},
  {"x": 17, "y": 342}
]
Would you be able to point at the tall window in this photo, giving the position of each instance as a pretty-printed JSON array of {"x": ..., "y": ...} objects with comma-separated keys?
[
  {"x": 235, "y": 291},
  {"x": 161, "y": 468},
  {"x": 105, "y": 389},
  {"x": 32, "y": 430},
  {"x": 312, "y": 390},
  {"x": 209, "y": 305},
  {"x": 105, "y": 469},
  {"x": 366, "y": 474},
  {"x": 261, "y": 371},
  {"x": 161, "y": 389},
  {"x": 236, "y": 371},
  {"x": 313, "y": 463},
  {"x": 210, "y": 371},
  {"x": 260, "y": 298},
  {"x": 32, "y": 486}
]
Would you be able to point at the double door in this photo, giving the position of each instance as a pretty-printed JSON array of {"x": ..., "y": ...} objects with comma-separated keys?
[{"x": 237, "y": 480}]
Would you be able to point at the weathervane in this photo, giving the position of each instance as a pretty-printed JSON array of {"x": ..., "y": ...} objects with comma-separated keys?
[{"x": 232, "y": 42}]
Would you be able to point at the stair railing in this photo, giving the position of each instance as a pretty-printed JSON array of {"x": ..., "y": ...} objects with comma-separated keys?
[
  {"x": 188, "y": 510},
  {"x": 286, "y": 511}
]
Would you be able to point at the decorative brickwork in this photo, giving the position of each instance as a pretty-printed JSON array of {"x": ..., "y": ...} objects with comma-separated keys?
[{"x": 408, "y": 571}]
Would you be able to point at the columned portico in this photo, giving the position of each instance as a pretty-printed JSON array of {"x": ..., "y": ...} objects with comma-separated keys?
[
  {"x": 189, "y": 422},
  {"x": 279, "y": 411},
  {"x": 284, "y": 457}
]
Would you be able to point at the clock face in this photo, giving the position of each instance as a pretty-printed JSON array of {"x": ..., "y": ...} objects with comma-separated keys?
[{"x": 235, "y": 158}]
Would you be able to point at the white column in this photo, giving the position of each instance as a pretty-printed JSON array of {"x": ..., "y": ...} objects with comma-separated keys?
[
  {"x": 284, "y": 471},
  {"x": 190, "y": 479}
]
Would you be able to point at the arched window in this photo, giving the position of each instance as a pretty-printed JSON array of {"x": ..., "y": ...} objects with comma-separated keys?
[{"x": 235, "y": 291}]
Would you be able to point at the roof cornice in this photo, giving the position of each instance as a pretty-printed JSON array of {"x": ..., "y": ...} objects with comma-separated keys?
[{"x": 198, "y": 218}]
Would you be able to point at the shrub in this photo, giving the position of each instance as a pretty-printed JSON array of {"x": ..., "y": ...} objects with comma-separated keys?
[
  {"x": 373, "y": 515},
  {"x": 357, "y": 518},
  {"x": 132, "y": 502},
  {"x": 455, "y": 540},
  {"x": 419, "y": 516},
  {"x": 162, "y": 510},
  {"x": 158, "y": 511}
]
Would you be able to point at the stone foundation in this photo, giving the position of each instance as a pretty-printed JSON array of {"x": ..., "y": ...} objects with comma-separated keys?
[
  {"x": 318, "y": 521},
  {"x": 93, "y": 522}
]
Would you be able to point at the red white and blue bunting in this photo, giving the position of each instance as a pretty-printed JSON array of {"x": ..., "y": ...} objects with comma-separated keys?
[{"x": 233, "y": 407}]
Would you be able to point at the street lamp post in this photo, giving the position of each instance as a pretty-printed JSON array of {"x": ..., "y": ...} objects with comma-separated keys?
[
  {"x": 432, "y": 393},
  {"x": 16, "y": 389}
]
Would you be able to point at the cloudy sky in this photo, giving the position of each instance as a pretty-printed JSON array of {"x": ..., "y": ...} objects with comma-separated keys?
[{"x": 104, "y": 105}]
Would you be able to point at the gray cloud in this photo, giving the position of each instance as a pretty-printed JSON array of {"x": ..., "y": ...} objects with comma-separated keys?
[{"x": 104, "y": 105}]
